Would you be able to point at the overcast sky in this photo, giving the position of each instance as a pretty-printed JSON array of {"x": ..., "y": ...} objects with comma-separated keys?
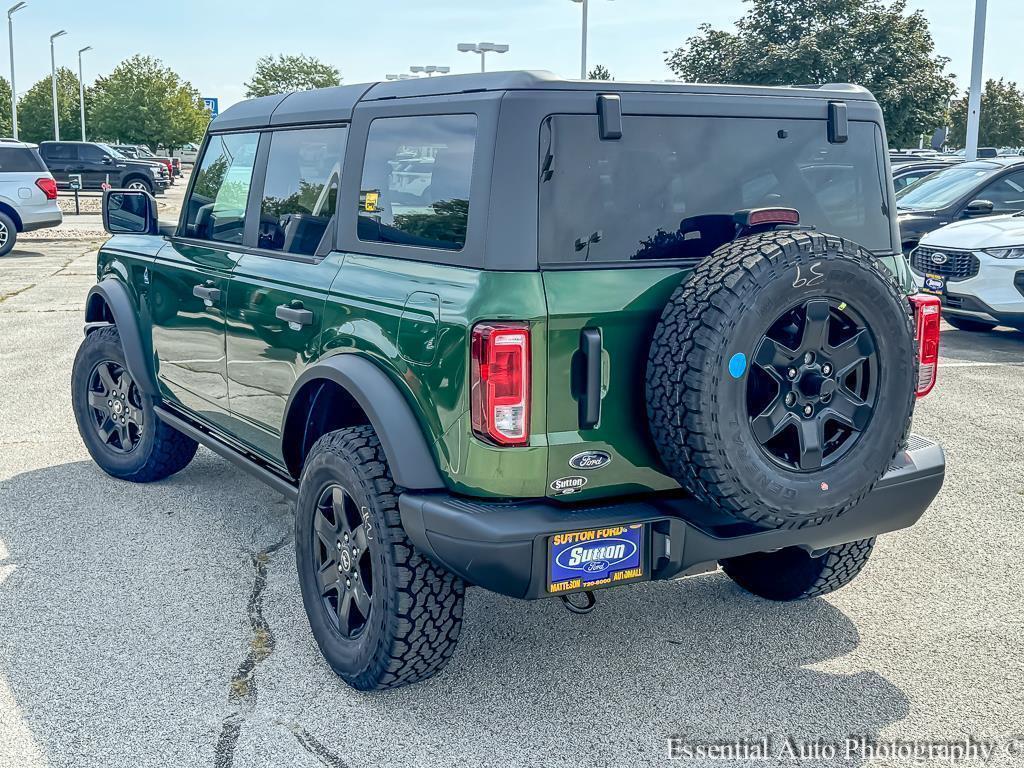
[{"x": 215, "y": 43}]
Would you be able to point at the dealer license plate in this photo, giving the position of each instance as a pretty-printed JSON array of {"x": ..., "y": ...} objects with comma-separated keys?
[
  {"x": 935, "y": 284},
  {"x": 595, "y": 558}
]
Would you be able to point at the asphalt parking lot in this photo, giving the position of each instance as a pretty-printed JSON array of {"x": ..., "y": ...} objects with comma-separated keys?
[{"x": 162, "y": 625}]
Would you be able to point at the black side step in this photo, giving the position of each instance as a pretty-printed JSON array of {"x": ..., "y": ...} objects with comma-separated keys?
[{"x": 252, "y": 464}]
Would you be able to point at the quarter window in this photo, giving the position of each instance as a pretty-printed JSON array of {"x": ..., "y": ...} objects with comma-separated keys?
[
  {"x": 415, "y": 188},
  {"x": 216, "y": 207},
  {"x": 301, "y": 191}
]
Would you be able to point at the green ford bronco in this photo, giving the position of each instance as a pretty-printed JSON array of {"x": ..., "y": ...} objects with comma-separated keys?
[{"x": 538, "y": 336}]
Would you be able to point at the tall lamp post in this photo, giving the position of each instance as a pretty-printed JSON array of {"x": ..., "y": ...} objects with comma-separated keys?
[
  {"x": 483, "y": 49},
  {"x": 53, "y": 83},
  {"x": 81, "y": 87},
  {"x": 583, "y": 47},
  {"x": 430, "y": 70},
  {"x": 974, "y": 96},
  {"x": 14, "y": 90}
]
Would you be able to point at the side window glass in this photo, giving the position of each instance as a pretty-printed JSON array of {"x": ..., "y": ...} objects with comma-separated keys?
[
  {"x": 1007, "y": 194},
  {"x": 300, "y": 195},
  {"x": 416, "y": 180},
  {"x": 90, "y": 153},
  {"x": 216, "y": 208},
  {"x": 59, "y": 151}
]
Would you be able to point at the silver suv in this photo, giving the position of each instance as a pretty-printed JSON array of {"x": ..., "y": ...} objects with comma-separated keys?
[{"x": 28, "y": 193}]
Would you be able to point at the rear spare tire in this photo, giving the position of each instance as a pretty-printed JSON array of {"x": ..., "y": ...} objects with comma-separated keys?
[{"x": 780, "y": 381}]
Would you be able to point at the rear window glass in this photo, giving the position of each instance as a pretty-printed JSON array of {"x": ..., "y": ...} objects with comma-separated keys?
[
  {"x": 416, "y": 180},
  {"x": 20, "y": 160},
  {"x": 669, "y": 187}
]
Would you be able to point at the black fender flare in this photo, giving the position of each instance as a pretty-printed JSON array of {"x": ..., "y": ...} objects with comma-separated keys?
[
  {"x": 412, "y": 462},
  {"x": 122, "y": 309}
]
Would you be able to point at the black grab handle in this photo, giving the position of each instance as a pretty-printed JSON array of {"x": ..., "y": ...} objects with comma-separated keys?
[{"x": 590, "y": 397}]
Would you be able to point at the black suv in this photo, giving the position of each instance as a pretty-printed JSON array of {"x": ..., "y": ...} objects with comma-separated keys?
[{"x": 98, "y": 164}]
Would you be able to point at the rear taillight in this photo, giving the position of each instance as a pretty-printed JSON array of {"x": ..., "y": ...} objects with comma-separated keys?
[
  {"x": 49, "y": 187},
  {"x": 500, "y": 383},
  {"x": 927, "y": 316}
]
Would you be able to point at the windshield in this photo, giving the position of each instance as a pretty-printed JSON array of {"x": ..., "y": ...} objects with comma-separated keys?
[
  {"x": 942, "y": 188},
  {"x": 669, "y": 187}
]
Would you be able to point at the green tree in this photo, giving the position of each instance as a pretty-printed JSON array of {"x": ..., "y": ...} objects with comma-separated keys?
[
  {"x": 6, "y": 127},
  {"x": 600, "y": 72},
  {"x": 1002, "y": 116},
  {"x": 282, "y": 74},
  {"x": 873, "y": 43},
  {"x": 144, "y": 102},
  {"x": 35, "y": 109}
]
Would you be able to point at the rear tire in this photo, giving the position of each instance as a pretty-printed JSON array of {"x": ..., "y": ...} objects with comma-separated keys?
[
  {"x": 793, "y": 574},
  {"x": 382, "y": 614},
  {"x": 967, "y": 324},
  {"x": 8, "y": 234},
  {"x": 117, "y": 421}
]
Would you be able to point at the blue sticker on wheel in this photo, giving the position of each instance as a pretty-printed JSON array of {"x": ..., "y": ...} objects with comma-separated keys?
[
  {"x": 738, "y": 365},
  {"x": 595, "y": 558}
]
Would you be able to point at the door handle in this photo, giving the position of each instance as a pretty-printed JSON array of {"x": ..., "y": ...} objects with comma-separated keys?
[
  {"x": 294, "y": 314},
  {"x": 590, "y": 396},
  {"x": 207, "y": 293}
]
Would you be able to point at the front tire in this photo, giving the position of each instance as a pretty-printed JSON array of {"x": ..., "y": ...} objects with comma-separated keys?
[
  {"x": 8, "y": 234},
  {"x": 967, "y": 324},
  {"x": 138, "y": 182},
  {"x": 116, "y": 419},
  {"x": 794, "y": 574},
  {"x": 382, "y": 614}
]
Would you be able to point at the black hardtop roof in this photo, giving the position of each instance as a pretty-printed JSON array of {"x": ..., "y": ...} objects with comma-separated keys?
[{"x": 336, "y": 104}]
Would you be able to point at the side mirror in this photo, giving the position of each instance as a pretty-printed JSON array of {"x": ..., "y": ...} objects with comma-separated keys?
[
  {"x": 979, "y": 208},
  {"x": 107, "y": 160},
  {"x": 129, "y": 212}
]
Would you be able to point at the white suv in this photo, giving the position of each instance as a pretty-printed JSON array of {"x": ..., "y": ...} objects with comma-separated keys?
[
  {"x": 977, "y": 268},
  {"x": 28, "y": 193}
]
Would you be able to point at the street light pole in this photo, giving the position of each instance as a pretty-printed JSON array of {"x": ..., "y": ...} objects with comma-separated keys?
[
  {"x": 974, "y": 96},
  {"x": 483, "y": 49},
  {"x": 53, "y": 84},
  {"x": 81, "y": 87},
  {"x": 430, "y": 70},
  {"x": 583, "y": 45},
  {"x": 14, "y": 90}
]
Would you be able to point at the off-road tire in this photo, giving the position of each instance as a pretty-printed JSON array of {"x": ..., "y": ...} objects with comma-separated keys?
[
  {"x": 696, "y": 405},
  {"x": 967, "y": 324},
  {"x": 416, "y": 613},
  {"x": 161, "y": 451},
  {"x": 793, "y": 574}
]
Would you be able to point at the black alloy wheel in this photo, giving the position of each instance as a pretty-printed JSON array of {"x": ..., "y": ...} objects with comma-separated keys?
[
  {"x": 342, "y": 559},
  {"x": 814, "y": 384},
  {"x": 116, "y": 407}
]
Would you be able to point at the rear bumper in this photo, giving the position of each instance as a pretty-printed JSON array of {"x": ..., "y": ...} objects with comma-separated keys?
[
  {"x": 40, "y": 217},
  {"x": 502, "y": 546}
]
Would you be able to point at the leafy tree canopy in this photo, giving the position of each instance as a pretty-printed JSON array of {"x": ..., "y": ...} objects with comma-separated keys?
[
  {"x": 873, "y": 43},
  {"x": 282, "y": 74},
  {"x": 35, "y": 109},
  {"x": 1002, "y": 116},
  {"x": 600, "y": 72},
  {"x": 6, "y": 128},
  {"x": 144, "y": 102}
]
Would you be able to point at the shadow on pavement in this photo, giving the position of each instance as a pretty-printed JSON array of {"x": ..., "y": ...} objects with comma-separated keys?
[{"x": 124, "y": 618}]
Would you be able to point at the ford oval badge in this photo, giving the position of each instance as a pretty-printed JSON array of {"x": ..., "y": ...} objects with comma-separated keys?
[{"x": 590, "y": 460}]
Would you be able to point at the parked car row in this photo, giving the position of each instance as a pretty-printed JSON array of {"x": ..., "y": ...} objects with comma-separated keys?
[
  {"x": 142, "y": 152},
  {"x": 962, "y": 227}
]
